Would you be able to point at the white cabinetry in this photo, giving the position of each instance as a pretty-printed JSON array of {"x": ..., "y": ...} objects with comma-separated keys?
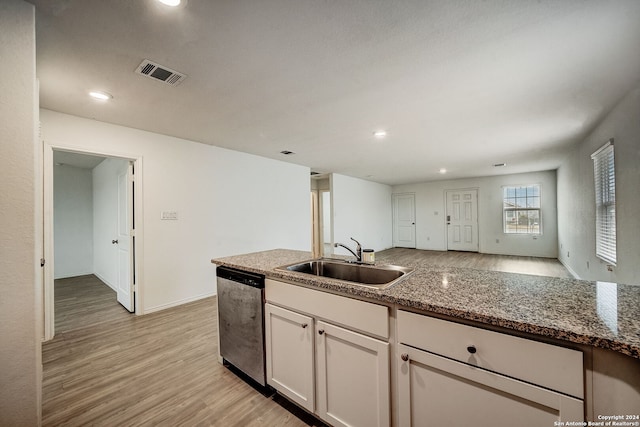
[
  {"x": 289, "y": 347},
  {"x": 352, "y": 371},
  {"x": 456, "y": 375},
  {"x": 348, "y": 385}
]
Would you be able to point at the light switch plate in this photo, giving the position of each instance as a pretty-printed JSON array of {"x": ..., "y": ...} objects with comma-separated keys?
[{"x": 169, "y": 215}]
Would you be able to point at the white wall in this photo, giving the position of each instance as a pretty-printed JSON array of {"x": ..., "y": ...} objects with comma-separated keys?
[
  {"x": 431, "y": 214},
  {"x": 20, "y": 300},
  {"x": 227, "y": 203},
  {"x": 105, "y": 219},
  {"x": 73, "y": 221},
  {"x": 576, "y": 197},
  {"x": 362, "y": 210}
]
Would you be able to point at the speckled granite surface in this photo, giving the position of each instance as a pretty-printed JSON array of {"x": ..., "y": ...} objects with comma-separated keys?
[{"x": 605, "y": 315}]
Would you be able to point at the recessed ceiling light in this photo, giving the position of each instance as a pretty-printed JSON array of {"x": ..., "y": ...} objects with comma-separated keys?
[
  {"x": 443, "y": 170},
  {"x": 102, "y": 96},
  {"x": 172, "y": 3},
  {"x": 380, "y": 133}
]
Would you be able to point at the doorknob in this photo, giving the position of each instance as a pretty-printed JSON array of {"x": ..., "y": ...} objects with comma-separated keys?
[{"x": 114, "y": 242}]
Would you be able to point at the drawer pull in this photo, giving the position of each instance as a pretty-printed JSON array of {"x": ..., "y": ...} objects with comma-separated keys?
[
  {"x": 321, "y": 331},
  {"x": 304, "y": 325},
  {"x": 404, "y": 356},
  {"x": 472, "y": 349}
]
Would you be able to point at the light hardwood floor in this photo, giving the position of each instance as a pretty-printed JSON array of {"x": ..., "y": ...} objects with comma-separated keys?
[
  {"x": 160, "y": 369},
  {"x": 83, "y": 301},
  {"x": 106, "y": 367},
  {"x": 506, "y": 263}
]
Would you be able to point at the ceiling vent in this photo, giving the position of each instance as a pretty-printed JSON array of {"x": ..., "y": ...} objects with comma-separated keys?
[{"x": 160, "y": 72}]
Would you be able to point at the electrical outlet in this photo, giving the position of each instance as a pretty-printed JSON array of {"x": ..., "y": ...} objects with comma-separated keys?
[
  {"x": 567, "y": 254},
  {"x": 497, "y": 240},
  {"x": 587, "y": 265}
]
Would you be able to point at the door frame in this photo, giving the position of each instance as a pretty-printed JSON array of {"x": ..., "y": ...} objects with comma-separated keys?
[{"x": 48, "y": 237}]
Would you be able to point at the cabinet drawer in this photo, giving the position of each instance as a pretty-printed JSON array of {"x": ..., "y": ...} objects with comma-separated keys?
[
  {"x": 436, "y": 391},
  {"x": 363, "y": 316},
  {"x": 550, "y": 366}
]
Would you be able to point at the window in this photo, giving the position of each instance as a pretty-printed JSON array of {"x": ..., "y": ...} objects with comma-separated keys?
[
  {"x": 521, "y": 209},
  {"x": 605, "y": 181}
]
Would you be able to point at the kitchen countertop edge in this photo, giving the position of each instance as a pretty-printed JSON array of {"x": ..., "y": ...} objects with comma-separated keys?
[{"x": 266, "y": 262}]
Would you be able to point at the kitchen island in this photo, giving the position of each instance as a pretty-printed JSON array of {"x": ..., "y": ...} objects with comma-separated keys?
[
  {"x": 570, "y": 346},
  {"x": 599, "y": 314}
]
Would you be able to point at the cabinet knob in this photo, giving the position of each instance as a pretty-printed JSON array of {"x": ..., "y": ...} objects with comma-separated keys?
[
  {"x": 472, "y": 349},
  {"x": 113, "y": 242},
  {"x": 321, "y": 331},
  {"x": 304, "y": 325},
  {"x": 404, "y": 356}
]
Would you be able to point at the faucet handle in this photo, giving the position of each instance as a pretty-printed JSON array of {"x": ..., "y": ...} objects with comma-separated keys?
[{"x": 358, "y": 243}]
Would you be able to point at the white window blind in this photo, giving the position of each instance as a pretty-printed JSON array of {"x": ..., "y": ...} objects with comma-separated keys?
[{"x": 605, "y": 181}]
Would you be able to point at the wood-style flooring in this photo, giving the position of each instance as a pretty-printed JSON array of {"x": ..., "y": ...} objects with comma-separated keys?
[
  {"x": 107, "y": 367},
  {"x": 83, "y": 301},
  {"x": 506, "y": 263},
  {"x": 159, "y": 369}
]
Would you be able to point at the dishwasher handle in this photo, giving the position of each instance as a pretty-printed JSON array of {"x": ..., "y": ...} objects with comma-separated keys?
[{"x": 244, "y": 277}]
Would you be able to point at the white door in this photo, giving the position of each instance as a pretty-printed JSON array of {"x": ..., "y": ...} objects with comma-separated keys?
[
  {"x": 436, "y": 391},
  {"x": 125, "y": 290},
  {"x": 353, "y": 378},
  {"x": 289, "y": 350},
  {"x": 404, "y": 220},
  {"x": 462, "y": 220}
]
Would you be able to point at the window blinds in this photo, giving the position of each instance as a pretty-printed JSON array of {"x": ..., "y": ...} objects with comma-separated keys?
[{"x": 605, "y": 182}]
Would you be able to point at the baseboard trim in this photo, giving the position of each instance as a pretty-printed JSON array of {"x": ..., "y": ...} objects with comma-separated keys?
[
  {"x": 177, "y": 303},
  {"x": 106, "y": 282},
  {"x": 569, "y": 269},
  {"x": 76, "y": 274}
]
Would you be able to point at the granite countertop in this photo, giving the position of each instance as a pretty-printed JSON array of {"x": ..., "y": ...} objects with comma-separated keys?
[{"x": 600, "y": 314}]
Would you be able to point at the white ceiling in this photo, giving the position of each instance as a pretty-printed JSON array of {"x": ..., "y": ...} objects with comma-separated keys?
[
  {"x": 83, "y": 161},
  {"x": 458, "y": 84}
]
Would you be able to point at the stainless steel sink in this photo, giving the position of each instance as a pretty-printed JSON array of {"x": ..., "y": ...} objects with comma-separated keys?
[{"x": 379, "y": 276}]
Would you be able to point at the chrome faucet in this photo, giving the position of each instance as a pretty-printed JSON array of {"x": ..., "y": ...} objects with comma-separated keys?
[{"x": 358, "y": 251}]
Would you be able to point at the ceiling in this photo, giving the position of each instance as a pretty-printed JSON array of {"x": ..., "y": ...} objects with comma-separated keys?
[
  {"x": 460, "y": 85},
  {"x": 83, "y": 161}
]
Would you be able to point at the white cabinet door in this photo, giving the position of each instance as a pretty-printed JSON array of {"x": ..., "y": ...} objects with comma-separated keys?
[
  {"x": 289, "y": 346},
  {"x": 353, "y": 378},
  {"x": 435, "y": 391}
]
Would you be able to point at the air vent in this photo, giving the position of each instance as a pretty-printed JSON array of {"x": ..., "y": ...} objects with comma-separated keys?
[{"x": 160, "y": 72}]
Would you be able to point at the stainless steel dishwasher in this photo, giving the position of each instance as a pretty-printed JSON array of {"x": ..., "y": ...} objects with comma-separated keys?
[{"x": 241, "y": 321}]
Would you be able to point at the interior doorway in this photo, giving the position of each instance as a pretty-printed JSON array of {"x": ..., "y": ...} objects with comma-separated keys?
[
  {"x": 92, "y": 224},
  {"x": 462, "y": 219},
  {"x": 322, "y": 213}
]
